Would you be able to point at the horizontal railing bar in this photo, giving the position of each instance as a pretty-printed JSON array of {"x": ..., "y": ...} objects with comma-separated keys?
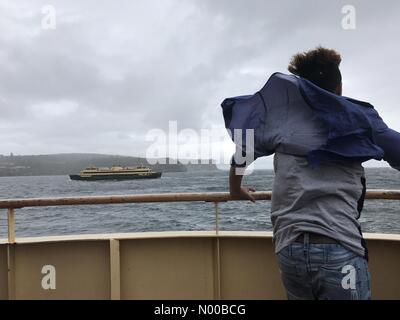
[
  {"x": 160, "y": 197},
  {"x": 378, "y": 194},
  {"x": 134, "y": 198}
]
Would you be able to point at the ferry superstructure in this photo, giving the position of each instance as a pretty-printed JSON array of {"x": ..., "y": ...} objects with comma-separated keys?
[{"x": 116, "y": 173}]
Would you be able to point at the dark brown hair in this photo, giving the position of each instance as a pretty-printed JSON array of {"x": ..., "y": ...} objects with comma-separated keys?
[{"x": 320, "y": 66}]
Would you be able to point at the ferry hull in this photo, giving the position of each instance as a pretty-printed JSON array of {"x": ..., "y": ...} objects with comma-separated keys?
[
  {"x": 201, "y": 265},
  {"x": 153, "y": 175}
]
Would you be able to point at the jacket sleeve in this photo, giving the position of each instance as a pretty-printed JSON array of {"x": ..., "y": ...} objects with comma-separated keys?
[
  {"x": 389, "y": 140},
  {"x": 244, "y": 119},
  {"x": 385, "y": 138}
]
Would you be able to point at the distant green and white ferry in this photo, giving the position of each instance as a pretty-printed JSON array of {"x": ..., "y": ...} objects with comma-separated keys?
[{"x": 116, "y": 173}]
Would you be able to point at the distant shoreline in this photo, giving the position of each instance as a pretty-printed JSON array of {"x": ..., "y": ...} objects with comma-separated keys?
[
  {"x": 73, "y": 163},
  {"x": 185, "y": 171}
]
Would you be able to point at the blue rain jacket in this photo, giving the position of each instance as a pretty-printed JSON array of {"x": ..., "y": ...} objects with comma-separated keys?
[{"x": 292, "y": 115}]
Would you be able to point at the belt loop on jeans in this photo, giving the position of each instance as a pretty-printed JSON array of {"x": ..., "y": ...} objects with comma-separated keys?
[
  {"x": 326, "y": 254},
  {"x": 306, "y": 243},
  {"x": 306, "y": 240}
]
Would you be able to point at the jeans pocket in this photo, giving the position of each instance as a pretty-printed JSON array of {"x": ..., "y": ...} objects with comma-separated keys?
[
  {"x": 294, "y": 278},
  {"x": 332, "y": 275},
  {"x": 348, "y": 280},
  {"x": 286, "y": 265}
]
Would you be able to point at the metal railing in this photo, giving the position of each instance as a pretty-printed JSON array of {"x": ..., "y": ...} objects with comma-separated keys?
[{"x": 215, "y": 197}]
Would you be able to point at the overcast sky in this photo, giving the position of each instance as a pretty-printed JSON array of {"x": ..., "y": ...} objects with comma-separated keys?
[{"x": 111, "y": 71}]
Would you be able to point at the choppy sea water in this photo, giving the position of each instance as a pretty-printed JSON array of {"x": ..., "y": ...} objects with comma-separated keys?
[{"x": 378, "y": 215}]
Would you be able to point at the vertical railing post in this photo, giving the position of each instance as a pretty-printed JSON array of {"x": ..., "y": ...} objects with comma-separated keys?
[
  {"x": 11, "y": 271},
  {"x": 11, "y": 253},
  {"x": 11, "y": 225},
  {"x": 216, "y": 207},
  {"x": 115, "y": 270},
  {"x": 217, "y": 270}
]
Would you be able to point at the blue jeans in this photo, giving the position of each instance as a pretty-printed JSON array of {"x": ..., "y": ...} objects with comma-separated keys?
[{"x": 323, "y": 271}]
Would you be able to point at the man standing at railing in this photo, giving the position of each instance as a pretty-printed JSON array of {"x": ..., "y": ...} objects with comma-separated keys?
[{"x": 320, "y": 140}]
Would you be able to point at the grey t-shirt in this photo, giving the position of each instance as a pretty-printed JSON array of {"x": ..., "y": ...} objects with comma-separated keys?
[{"x": 325, "y": 200}]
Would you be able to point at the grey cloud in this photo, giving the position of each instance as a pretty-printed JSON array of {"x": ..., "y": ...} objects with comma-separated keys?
[{"x": 130, "y": 66}]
